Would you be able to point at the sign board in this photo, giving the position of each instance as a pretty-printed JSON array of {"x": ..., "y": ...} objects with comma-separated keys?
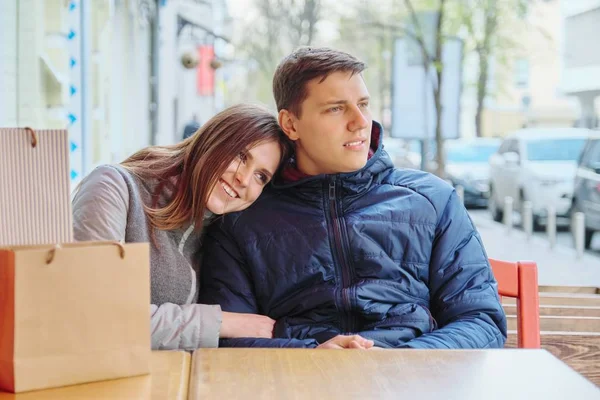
[{"x": 413, "y": 107}]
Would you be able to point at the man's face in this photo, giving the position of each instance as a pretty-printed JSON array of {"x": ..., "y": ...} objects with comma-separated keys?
[{"x": 333, "y": 134}]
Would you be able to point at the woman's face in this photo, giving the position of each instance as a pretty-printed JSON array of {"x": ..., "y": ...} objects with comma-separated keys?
[{"x": 245, "y": 178}]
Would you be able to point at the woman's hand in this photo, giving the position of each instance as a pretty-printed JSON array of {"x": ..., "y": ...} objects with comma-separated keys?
[
  {"x": 347, "y": 342},
  {"x": 238, "y": 325}
]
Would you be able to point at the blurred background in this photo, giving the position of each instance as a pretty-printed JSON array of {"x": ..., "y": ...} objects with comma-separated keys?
[{"x": 499, "y": 97}]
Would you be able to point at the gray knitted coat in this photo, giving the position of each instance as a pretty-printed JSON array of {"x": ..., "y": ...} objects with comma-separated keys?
[{"x": 109, "y": 206}]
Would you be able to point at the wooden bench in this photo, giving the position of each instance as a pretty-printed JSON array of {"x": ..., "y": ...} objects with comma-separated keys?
[
  {"x": 552, "y": 323},
  {"x": 570, "y": 289},
  {"x": 574, "y": 311},
  {"x": 557, "y": 310},
  {"x": 569, "y": 324},
  {"x": 579, "y": 350},
  {"x": 563, "y": 299}
]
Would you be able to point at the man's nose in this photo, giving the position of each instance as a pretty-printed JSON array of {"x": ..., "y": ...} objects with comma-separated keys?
[{"x": 359, "y": 120}]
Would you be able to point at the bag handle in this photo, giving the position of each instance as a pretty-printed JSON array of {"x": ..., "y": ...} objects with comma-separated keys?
[
  {"x": 52, "y": 252},
  {"x": 34, "y": 138}
]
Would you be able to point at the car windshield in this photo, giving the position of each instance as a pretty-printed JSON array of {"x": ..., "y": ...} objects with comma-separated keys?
[
  {"x": 470, "y": 153},
  {"x": 555, "y": 149}
]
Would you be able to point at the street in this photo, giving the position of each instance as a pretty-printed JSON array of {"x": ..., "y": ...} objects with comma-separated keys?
[{"x": 563, "y": 235}]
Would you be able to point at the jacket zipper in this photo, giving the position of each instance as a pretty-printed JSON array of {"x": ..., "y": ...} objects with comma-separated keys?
[{"x": 341, "y": 257}]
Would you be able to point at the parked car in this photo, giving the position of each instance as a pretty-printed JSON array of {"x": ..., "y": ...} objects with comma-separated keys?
[
  {"x": 467, "y": 165},
  {"x": 586, "y": 197},
  {"x": 538, "y": 165},
  {"x": 400, "y": 154}
]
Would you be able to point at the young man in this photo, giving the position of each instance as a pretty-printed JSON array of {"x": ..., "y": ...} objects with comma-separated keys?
[{"x": 345, "y": 243}]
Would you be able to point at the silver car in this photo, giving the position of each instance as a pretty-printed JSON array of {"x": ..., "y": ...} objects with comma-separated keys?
[
  {"x": 537, "y": 165},
  {"x": 586, "y": 197}
]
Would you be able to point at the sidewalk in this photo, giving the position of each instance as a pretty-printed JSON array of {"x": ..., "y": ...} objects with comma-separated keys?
[{"x": 557, "y": 267}]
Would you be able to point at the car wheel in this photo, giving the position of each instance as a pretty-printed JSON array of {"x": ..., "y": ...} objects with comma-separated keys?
[
  {"x": 537, "y": 225},
  {"x": 497, "y": 213},
  {"x": 589, "y": 234}
]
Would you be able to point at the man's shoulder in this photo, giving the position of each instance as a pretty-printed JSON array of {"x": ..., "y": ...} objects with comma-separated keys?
[
  {"x": 434, "y": 189},
  {"x": 265, "y": 205},
  {"x": 413, "y": 177},
  {"x": 284, "y": 206}
]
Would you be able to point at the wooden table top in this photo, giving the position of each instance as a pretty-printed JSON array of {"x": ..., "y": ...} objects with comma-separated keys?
[
  {"x": 168, "y": 379},
  {"x": 384, "y": 374}
]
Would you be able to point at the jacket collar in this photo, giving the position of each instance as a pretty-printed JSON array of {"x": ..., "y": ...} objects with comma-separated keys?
[{"x": 378, "y": 161}]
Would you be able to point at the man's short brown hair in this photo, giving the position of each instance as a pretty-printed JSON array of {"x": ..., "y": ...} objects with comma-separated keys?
[{"x": 303, "y": 65}]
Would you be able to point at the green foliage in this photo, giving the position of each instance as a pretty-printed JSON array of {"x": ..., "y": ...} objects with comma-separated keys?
[
  {"x": 280, "y": 27},
  {"x": 367, "y": 29}
]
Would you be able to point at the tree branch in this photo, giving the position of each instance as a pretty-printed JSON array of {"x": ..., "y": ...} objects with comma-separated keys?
[{"x": 418, "y": 33}]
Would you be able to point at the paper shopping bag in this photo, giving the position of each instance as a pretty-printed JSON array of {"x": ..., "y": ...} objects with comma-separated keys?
[
  {"x": 74, "y": 313},
  {"x": 35, "y": 207}
]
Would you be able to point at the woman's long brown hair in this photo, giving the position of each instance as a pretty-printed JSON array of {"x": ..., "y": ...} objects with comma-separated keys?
[{"x": 197, "y": 163}]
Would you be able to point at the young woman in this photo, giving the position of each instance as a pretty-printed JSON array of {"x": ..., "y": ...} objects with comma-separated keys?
[{"x": 166, "y": 195}]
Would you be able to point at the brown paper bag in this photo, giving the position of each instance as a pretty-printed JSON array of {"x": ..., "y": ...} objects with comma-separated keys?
[
  {"x": 74, "y": 313},
  {"x": 35, "y": 207}
]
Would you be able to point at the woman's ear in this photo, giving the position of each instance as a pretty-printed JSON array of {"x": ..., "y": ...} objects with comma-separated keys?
[{"x": 286, "y": 121}]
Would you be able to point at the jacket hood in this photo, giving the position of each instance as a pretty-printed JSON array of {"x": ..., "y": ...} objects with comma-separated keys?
[{"x": 377, "y": 162}]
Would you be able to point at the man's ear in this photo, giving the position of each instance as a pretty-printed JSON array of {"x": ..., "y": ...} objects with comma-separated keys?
[{"x": 287, "y": 122}]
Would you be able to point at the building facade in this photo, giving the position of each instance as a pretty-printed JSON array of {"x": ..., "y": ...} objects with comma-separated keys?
[
  {"x": 110, "y": 71},
  {"x": 523, "y": 87},
  {"x": 581, "y": 58}
]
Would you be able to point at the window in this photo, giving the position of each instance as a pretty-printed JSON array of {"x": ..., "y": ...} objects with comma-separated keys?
[
  {"x": 470, "y": 154},
  {"x": 521, "y": 71},
  {"x": 555, "y": 149},
  {"x": 505, "y": 146},
  {"x": 591, "y": 158},
  {"x": 514, "y": 147}
]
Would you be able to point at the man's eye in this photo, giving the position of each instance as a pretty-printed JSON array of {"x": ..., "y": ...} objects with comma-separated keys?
[
  {"x": 364, "y": 105},
  {"x": 334, "y": 109}
]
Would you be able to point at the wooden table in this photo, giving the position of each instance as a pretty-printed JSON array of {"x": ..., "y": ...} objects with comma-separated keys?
[
  {"x": 168, "y": 379},
  {"x": 384, "y": 374}
]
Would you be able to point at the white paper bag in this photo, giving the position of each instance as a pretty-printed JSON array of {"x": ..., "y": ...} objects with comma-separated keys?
[{"x": 35, "y": 206}]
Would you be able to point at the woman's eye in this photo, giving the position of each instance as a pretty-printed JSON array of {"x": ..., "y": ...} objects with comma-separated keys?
[
  {"x": 243, "y": 157},
  {"x": 262, "y": 178}
]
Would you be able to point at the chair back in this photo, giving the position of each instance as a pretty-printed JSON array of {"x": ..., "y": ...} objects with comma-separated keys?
[{"x": 520, "y": 280}]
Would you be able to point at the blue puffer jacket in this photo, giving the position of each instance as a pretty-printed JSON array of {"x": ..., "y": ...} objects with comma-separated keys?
[{"x": 387, "y": 253}]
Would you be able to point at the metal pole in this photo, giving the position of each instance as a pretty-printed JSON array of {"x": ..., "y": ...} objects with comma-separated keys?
[
  {"x": 460, "y": 191},
  {"x": 86, "y": 87},
  {"x": 154, "y": 74},
  {"x": 551, "y": 226},
  {"x": 527, "y": 218},
  {"x": 425, "y": 142},
  {"x": 75, "y": 108},
  {"x": 579, "y": 233},
  {"x": 508, "y": 211}
]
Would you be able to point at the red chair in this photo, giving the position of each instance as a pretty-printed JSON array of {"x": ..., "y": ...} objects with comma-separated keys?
[{"x": 520, "y": 280}]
